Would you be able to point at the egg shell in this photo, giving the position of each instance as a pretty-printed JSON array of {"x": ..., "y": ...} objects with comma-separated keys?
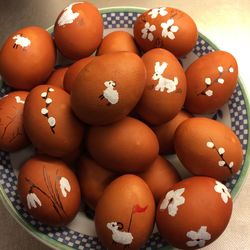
[
  {"x": 209, "y": 148},
  {"x": 93, "y": 180},
  {"x": 49, "y": 122},
  {"x": 100, "y": 99},
  {"x": 49, "y": 190},
  {"x": 160, "y": 176},
  {"x": 211, "y": 81},
  {"x": 57, "y": 77},
  {"x": 165, "y": 90},
  {"x": 73, "y": 71},
  {"x": 194, "y": 212},
  {"x": 78, "y": 22},
  {"x": 167, "y": 28},
  {"x": 27, "y": 58},
  {"x": 117, "y": 41},
  {"x": 128, "y": 146},
  {"x": 166, "y": 132},
  {"x": 12, "y": 132},
  {"x": 126, "y": 205}
]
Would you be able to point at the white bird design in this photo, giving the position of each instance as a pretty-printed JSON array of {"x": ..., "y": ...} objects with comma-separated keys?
[{"x": 110, "y": 94}]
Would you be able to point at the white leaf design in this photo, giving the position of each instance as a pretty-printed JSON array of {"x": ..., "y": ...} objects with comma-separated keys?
[{"x": 64, "y": 186}]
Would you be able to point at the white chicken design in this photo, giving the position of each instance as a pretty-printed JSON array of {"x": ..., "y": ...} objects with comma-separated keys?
[{"x": 110, "y": 94}]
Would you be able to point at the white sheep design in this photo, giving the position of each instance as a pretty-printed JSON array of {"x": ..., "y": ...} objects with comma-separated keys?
[
  {"x": 163, "y": 83},
  {"x": 21, "y": 40},
  {"x": 121, "y": 237},
  {"x": 110, "y": 93}
]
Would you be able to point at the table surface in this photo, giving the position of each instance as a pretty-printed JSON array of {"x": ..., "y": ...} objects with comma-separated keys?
[{"x": 225, "y": 22}]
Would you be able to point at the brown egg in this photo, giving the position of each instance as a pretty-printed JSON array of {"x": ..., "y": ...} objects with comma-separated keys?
[
  {"x": 125, "y": 214},
  {"x": 106, "y": 97},
  {"x": 12, "y": 135},
  {"x": 57, "y": 77},
  {"x": 49, "y": 190},
  {"x": 78, "y": 30},
  {"x": 211, "y": 81},
  {"x": 165, "y": 132},
  {"x": 165, "y": 90},
  {"x": 73, "y": 71},
  {"x": 194, "y": 212},
  {"x": 167, "y": 28},
  {"x": 117, "y": 41},
  {"x": 27, "y": 58},
  {"x": 93, "y": 179},
  {"x": 128, "y": 146},
  {"x": 50, "y": 123},
  {"x": 209, "y": 148},
  {"x": 160, "y": 176}
]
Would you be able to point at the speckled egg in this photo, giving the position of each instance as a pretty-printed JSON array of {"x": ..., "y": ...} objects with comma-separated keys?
[{"x": 57, "y": 77}]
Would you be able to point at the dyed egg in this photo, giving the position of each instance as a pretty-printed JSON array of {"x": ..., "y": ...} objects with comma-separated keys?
[
  {"x": 194, "y": 212},
  {"x": 49, "y": 122},
  {"x": 27, "y": 58},
  {"x": 73, "y": 71},
  {"x": 167, "y": 28},
  {"x": 93, "y": 179},
  {"x": 49, "y": 190},
  {"x": 117, "y": 41},
  {"x": 125, "y": 214},
  {"x": 166, "y": 132},
  {"x": 165, "y": 90},
  {"x": 211, "y": 81},
  {"x": 12, "y": 132},
  {"x": 100, "y": 99},
  {"x": 78, "y": 30},
  {"x": 128, "y": 146},
  {"x": 160, "y": 176},
  {"x": 57, "y": 77},
  {"x": 209, "y": 148}
]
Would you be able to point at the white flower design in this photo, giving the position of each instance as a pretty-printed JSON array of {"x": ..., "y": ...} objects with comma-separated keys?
[
  {"x": 169, "y": 29},
  {"x": 33, "y": 201},
  {"x": 198, "y": 238},
  {"x": 65, "y": 186},
  {"x": 209, "y": 92},
  {"x": 172, "y": 200},
  {"x": 210, "y": 144},
  {"x": 208, "y": 81},
  {"x": 220, "y": 69},
  {"x": 231, "y": 69},
  {"x": 222, "y": 189},
  {"x": 158, "y": 11},
  {"x": 147, "y": 31}
]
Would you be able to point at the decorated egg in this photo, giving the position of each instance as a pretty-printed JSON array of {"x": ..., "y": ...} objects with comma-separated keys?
[
  {"x": 117, "y": 41},
  {"x": 27, "y": 58},
  {"x": 49, "y": 190},
  {"x": 12, "y": 132},
  {"x": 57, "y": 77},
  {"x": 49, "y": 122},
  {"x": 127, "y": 146},
  {"x": 167, "y": 28},
  {"x": 165, "y": 90},
  {"x": 160, "y": 176},
  {"x": 125, "y": 214},
  {"x": 100, "y": 99},
  {"x": 194, "y": 212},
  {"x": 78, "y": 30},
  {"x": 211, "y": 81},
  {"x": 209, "y": 148}
]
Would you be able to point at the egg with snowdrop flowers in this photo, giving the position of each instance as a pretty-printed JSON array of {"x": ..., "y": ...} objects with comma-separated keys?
[{"x": 194, "y": 212}]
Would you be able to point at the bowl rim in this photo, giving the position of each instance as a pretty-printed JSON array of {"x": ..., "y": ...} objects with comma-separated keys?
[{"x": 50, "y": 242}]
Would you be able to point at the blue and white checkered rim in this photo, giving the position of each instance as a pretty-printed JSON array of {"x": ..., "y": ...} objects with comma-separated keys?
[{"x": 53, "y": 236}]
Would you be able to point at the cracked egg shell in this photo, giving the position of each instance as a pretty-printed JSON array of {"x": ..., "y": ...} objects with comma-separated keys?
[
  {"x": 12, "y": 132},
  {"x": 57, "y": 77},
  {"x": 27, "y": 58},
  {"x": 49, "y": 190},
  {"x": 127, "y": 205},
  {"x": 167, "y": 28},
  {"x": 50, "y": 123},
  {"x": 194, "y": 212},
  {"x": 211, "y": 81},
  {"x": 78, "y": 30},
  {"x": 165, "y": 90},
  {"x": 209, "y": 148},
  {"x": 100, "y": 99}
]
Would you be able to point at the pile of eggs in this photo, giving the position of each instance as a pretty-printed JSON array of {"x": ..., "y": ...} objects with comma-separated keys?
[{"x": 114, "y": 115}]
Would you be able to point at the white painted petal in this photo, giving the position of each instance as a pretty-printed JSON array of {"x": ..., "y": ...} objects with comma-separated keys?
[
  {"x": 163, "y": 11},
  {"x": 147, "y": 25},
  {"x": 220, "y": 69},
  {"x": 208, "y": 81},
  {"x": 164, "y": 33},
  {"x": 51, "y": 90},
  {"x": 152, "y": 28},
  {"x": 48, "y": 100},
  {"x": 37, "y": 200},
  {"x": 44, "y": 111},
  {"x": 172, "y": 209},
  {"x": 170, "y": 22},
  {"x": 192, "y": 243},
  {"x": 171, "y": 35},
  {"x": 202, "y": 243},
  {"x": 221, "y": 163},
  {"x": 231, "y": 69},
  {"x": 192, "y": 235},
  {"x": 231, "y": 164},
  {"x": 150, "y": 37},
  {"x": 210, "y": 144},
  {"x": 209, "y": 92},
  {"x": 174, "y": 28},
  {"x": 221, "y": 151},
  {"x": 179, "y": 191},
  {"x": 64, "y": 186},
  {"x": 52, "y": 121},
  {"x": 170, "y": 194},
  {"x": 180, "y": 201},
  {"x": 28, "y": 201},
  {"x": 224, "y": 197},
  {"x": 144, "y": 36},
  {"x": 221, "y": 80},
  {"x": 164, "y": 204},
  {"x": 164, "y": 25},
  {"x": 44, "y": 94}
]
